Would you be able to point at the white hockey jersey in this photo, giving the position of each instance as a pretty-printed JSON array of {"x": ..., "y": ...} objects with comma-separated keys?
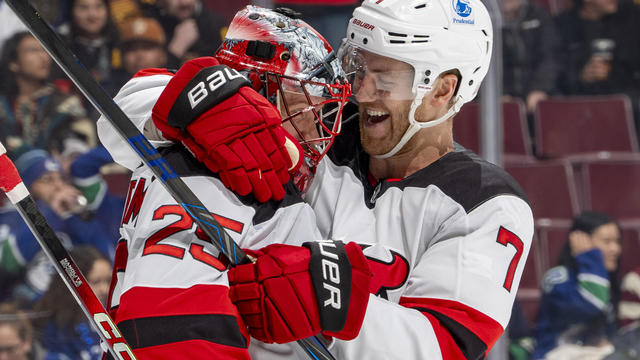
[
  {"x": 170, "y": 291},
  {"x": 448, "y": 245}
]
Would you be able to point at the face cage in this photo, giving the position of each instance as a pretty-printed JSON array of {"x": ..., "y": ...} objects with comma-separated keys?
[{"x": 327, "y": 112}]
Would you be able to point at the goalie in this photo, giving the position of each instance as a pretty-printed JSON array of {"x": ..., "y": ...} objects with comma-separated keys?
[{"x": 170, "y": 295}]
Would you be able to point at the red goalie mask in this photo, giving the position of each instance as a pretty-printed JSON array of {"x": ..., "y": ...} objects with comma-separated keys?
[{"x": 295, "y": 68}]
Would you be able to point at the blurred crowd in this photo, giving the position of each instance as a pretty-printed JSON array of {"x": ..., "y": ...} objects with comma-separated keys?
[
  {"x": 589, "y": 48},
  {"x": 584, "y": 47}
]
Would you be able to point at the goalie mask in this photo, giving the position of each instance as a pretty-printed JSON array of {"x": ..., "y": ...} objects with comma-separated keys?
[{"x": 295, "y": 68}]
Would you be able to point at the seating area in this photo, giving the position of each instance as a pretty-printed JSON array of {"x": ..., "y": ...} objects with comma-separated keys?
[
  {"x": 585, "y": 157},
  {"x": 578, "y": 125},
  {"x": 517, "y": 140}
]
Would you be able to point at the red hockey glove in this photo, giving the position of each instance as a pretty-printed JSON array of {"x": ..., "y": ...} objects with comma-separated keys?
[
  {"x": 293, "y": 292},
  {"x": 228, "y": 127}
]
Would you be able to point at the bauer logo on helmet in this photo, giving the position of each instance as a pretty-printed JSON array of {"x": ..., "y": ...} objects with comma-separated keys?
[{"x": 363, "y": 24}]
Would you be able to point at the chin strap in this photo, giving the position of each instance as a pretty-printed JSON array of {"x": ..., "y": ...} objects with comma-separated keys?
[{"x": 415, "y": 125}]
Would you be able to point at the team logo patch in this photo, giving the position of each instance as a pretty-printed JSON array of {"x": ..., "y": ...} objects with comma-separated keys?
[
  {"x": 463, "y": 9},
  {"x": 555, "y": 276},
  {"x": 387, "y": 275}
]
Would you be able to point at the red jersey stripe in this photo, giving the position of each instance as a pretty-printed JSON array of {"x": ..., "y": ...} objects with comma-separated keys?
[
  {"x": 141, "y": 302},
  {"x": 153, "y": 71},
  {"x": 448, "y": 346},
  {"x": 484, "y": 327}
]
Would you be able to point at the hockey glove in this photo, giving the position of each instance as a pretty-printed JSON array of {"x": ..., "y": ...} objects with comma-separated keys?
[
  {"x": 228, "y": 127},
  {"x": 293, "y": 292}
]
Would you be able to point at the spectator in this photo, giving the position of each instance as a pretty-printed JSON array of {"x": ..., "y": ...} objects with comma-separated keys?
[
  {"x": 142, "y": 42},
  {"x": 93, "y": 38},
  {"x": 192, "y": 30},
  {"x": 32, "y": 111},
  {"x": 328, "y": 17},
  {"x": 65, "y": 210},
  {"x": 580, "y": 295},
  {"x": 599, "y": 48},
  {"x": 66, "y": 333},
  {"x": 528, "y": 38},
  {"x": 16, "y": 334}
]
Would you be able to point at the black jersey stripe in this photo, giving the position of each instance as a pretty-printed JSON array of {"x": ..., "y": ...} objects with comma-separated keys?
[{"x": 161, "y": 330}]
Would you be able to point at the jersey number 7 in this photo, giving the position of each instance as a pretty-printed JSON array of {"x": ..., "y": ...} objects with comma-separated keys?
[{"x": 506, "y": 237}]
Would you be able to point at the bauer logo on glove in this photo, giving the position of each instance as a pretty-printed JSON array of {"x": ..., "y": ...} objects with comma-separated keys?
[
  {"x": 215, "y": 80},
  {"x": 293, "y": 292},
  {"x": 326, "y": 260},
  {"x": 207, "y": 88}
]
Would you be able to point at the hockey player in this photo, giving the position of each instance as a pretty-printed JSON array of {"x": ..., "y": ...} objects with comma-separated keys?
[
  {"x": 170, "y": 294},
  {"x": 446, "y": 233}
]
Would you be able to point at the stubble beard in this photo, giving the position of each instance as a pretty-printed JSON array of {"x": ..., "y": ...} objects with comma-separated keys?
[{"x": 397, "y": 128}]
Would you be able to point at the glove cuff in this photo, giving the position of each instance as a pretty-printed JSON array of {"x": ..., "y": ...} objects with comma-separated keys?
[{"x": 336, "y": 271}]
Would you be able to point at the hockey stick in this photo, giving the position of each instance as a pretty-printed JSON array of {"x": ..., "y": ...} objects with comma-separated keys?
[
  {"x": 160, "y": 168},
  {"x": 11, "y": 184}
]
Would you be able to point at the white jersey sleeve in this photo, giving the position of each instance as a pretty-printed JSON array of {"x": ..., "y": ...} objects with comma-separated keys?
[{"x": 136, "y": 99}]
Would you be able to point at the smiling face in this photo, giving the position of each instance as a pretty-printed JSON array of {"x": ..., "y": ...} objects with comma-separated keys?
[{"x": 384, "y": 96}]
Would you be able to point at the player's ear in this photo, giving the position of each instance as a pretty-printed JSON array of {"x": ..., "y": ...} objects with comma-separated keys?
[{"x": 445, "y": 88}]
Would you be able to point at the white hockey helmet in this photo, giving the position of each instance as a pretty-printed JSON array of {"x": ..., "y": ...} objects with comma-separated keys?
[{"x": 433, "y": 36}]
